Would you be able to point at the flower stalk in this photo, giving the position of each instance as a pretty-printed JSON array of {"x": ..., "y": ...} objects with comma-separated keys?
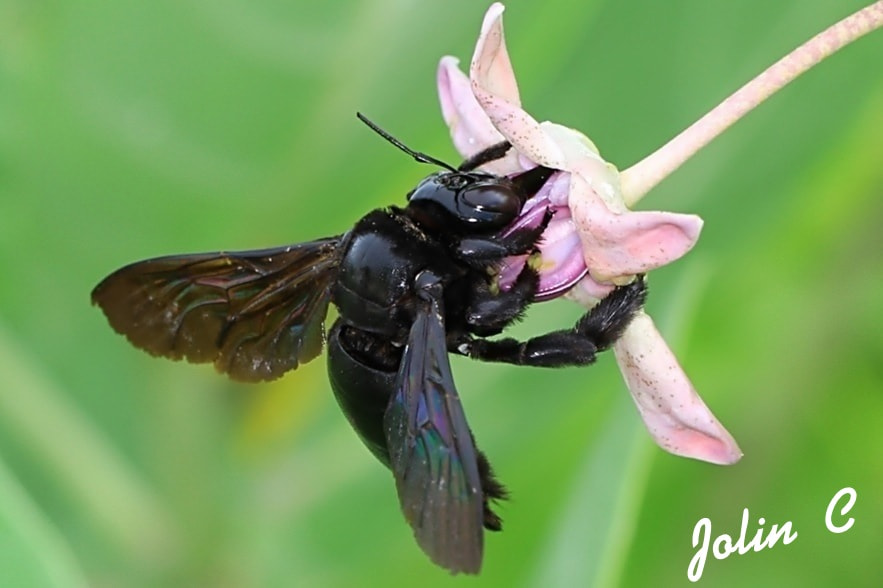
[{"x": 595, "y": 241}]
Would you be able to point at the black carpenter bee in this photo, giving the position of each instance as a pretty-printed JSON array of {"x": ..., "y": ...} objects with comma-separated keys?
[{"x": 411, "y": 285}]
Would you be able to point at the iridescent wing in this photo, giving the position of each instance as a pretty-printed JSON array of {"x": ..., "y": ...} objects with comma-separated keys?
[
  {"x": 432, "y": 454},
  {"x": 255, "y": 314}
]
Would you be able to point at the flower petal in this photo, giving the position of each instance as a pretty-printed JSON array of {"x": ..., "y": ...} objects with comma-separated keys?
[
  {"x": 471, "y": 129},
  {"x": 562, "y": 264},
  {"x": 493, "y": 83},
  {"x": 588, "y": 292},
  {"x": 617, "y": 246},
  {"x": 675, "y": 416},
  {"x": 491, "y": 59}
]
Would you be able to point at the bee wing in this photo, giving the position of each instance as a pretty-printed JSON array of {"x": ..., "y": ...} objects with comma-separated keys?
[
  {"x": 255, "y": 314},
  {"x": 432, "y": 454}
]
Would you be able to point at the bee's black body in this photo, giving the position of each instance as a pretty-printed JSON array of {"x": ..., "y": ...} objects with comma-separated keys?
[{"x": 411, "y": 285}]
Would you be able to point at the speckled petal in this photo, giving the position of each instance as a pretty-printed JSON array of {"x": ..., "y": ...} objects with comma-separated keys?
[
  {"x": 618, "y": 246},
  {"x": 491, "y": 58},
  {"x": 675, "y": 416},
  {"x": 493, "y": 83}
]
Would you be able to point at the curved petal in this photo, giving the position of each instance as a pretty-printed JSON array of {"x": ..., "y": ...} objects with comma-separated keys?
[
  {"x": 493, "y": 83},
  {"x": 674, "y": 414},
  {"x": 617, "y": 246},
  {"x": 491, "y": 59},
  {"x": 471, "y": 129}
]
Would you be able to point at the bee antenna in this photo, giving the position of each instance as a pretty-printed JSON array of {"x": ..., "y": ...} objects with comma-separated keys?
[{"x": 421, "y": 157}]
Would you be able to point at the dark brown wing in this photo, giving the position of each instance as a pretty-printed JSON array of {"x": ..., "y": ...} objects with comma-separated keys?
[
  {"x": 432, "y": 455},
  {"x": 255, "y": 314}
]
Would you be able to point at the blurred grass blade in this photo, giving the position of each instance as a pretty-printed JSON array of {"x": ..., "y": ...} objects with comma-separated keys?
[
  {"x": 596, "y": 525},
  {"x": 83, "y": 463},
  {"x": 605, "y": 498},
  {"x": 32, "y": 553}
]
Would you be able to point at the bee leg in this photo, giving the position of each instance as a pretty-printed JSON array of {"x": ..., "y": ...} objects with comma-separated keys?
[
  {"x": 594, "y": 332},
  {"x": 492, "y": 153},
  {"x": 530, "y": 182},
  {"x": 493, "y": 490},
  {"x": 490, "y": 312},
  {"x": 479, "y": 251}
]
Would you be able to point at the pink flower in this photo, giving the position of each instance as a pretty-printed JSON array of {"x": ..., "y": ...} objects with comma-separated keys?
[{"x": 594, "y": 241}]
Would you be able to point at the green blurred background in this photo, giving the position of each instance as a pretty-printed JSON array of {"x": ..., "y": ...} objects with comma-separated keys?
[{"x": 136, "y": 129}]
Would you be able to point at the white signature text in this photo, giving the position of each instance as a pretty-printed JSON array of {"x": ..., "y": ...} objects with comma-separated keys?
[{"x": 723, "y": 545}]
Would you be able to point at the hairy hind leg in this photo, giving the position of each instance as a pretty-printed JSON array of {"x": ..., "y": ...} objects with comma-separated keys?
[{"x": 596, "y": 331}]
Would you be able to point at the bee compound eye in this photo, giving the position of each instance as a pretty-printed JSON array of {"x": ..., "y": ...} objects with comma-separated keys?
[{"x": 494, "y": 204}]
